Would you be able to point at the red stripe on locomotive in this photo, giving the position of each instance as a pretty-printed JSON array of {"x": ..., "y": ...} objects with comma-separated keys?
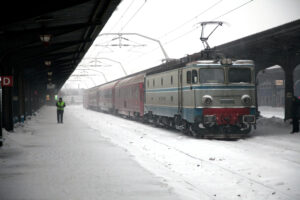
[{"x": 226, "y": 115}]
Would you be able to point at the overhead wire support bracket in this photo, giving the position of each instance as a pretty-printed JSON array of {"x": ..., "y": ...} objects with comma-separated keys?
[
  {"x": 95, "y": 71},
  {"x": 101, "y": 58},
  {"x": 143, "y": 36}
]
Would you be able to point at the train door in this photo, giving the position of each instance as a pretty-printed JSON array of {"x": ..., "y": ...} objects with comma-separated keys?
[
  {"x": 141, "y": 102},
  {"x": 180, "y": 93},
  {"x": 194, "y": 82},
  {"x": 188, "y": 101}
]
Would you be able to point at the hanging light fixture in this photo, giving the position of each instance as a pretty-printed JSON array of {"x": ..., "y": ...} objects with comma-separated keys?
[
  {"x": 48, "y": 63},
  {"x": 45, "y": 38}
]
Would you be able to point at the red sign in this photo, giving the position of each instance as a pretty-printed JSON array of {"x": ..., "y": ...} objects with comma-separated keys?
[{"x": 7, "y": 81}]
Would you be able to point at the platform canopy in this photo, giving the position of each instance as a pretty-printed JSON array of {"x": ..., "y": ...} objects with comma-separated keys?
[
  {"x": 267, "y": 48},
  {"x": 49, "y": 37}
]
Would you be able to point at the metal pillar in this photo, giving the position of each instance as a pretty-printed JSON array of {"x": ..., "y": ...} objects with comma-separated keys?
[
  {"x": 288, "y": 66},
  {"x": 29, "y": 99},
  {"x": 15, "y": 98},
  {"x": 7, "y": 92},
  {"x": 21, "y": 96},
  {"x": 35, "y": 99},
  {"x": 1, "y": 138}
]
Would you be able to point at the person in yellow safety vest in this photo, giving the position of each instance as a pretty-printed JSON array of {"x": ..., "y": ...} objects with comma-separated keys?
[{"x": 60, "y": 110}]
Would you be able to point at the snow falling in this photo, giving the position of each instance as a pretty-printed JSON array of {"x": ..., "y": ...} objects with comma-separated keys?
[{"x": 263, "y": 166}]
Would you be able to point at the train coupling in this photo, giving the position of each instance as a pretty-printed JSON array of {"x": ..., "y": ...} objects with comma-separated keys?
[
  {"x": 249, "y": 119},
  {"x": 209, "y": 120}
]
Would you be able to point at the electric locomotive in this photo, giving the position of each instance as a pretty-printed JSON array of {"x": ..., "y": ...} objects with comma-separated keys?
[
  {"x": 207, "y": 98},
  {"x": 212, "y": 96}
]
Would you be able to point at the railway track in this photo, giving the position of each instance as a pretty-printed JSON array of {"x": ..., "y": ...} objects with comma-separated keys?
[{"x": 147, "y": 139}]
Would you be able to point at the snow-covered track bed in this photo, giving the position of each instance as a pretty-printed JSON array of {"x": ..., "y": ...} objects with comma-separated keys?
[{"x": 258, "y": 167}]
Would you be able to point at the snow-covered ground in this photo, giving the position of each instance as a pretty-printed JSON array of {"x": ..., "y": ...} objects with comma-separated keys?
[
  {"x": 268, "y": 111},
  {"x": 264, "y": 166},
  {"x": 49, "y": 161}
]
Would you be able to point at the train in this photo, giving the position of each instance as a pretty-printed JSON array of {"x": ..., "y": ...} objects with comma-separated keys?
[{"x": 214, "y": 98}]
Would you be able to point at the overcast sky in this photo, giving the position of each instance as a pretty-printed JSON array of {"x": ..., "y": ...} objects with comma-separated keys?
[{"x": 175, "y": 23}]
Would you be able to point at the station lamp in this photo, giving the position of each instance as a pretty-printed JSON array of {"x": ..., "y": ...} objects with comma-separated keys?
[
  {"x": 50, "y": 73},
  {"x": 48, "y": 63},
  {"x": 45, "y": 38}
]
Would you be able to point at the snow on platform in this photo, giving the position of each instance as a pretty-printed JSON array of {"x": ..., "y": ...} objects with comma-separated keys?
[
  {"x": 48, "y": 161},
  {"x": 76, "y": 160},
  {"x": 269, "y": 111},
  {"x": 265, "y": 165}
]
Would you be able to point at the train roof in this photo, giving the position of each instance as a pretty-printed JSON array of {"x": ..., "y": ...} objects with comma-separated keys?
[
  {"x": 177, "y": 63},
  {"x": 222, "y": 62},
  {"x": 132, "y": 80}
]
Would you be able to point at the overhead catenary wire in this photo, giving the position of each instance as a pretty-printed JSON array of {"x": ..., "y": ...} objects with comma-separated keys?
[
  {"x": 222, "y": 15},
  {"x": 195, "y": 28},
  {"x": 190, "y": 20},
  {"x": 133, "y": 16},
  {"x": 232, "y": 10},
  {"x": 122, "y": 16}
]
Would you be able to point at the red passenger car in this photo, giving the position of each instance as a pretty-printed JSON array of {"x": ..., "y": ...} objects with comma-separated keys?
[
  {"x": 106, "y": 97},
  {"x": 90, "y": 98},
  {"x": 129, "y": 96}
]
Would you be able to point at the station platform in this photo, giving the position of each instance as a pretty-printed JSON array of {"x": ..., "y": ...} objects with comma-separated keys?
[{"x": 45, "y": 160}]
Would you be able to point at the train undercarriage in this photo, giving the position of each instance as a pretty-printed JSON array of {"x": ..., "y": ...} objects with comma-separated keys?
[{"x": 198, "y": 130}]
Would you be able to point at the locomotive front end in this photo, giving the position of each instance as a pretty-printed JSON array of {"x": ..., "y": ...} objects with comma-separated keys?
[{"x": 227, "y": 96}]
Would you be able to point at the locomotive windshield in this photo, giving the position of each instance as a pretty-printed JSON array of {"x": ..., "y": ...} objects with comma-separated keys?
[
  {"x": 239, "y": 75},
  {"x": 212, "y": 75}
]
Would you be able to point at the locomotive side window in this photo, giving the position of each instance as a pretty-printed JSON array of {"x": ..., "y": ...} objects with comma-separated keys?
[
  {"x": 153, "y": 82},
  {"x": 148, "y": 83},
  {"x": 239, "y": 75},
  {"x": 194, "y": 76},
  {"x": 188, "y": 77},
  {"x": 162, "y": 81},
  {"x": 171, "y": 80},
  {"x": 212, "y": 75}
]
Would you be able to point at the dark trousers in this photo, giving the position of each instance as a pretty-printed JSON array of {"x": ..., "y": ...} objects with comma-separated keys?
[
  {"x": 60, "y": 114},
  {"x": 295, "y": 124}
]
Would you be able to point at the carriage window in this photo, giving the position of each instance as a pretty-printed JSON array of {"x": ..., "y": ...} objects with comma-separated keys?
[
  {"x": 171, "y": 80},
  {"x": 194, "y": 76},
  {"x": 162, "y": 81},
  {"x": 212, "y": 75},
  {"x": 148, "y": 83},
  {"x": 188, "y": 77},
  {"x": 153, "y": 82},
  {"x": 239, "y": 75}
]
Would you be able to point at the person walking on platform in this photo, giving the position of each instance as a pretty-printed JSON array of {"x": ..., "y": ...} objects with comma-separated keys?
[
  {"x": 60, "y": 110},
  {"x": 295, "y": 114}
]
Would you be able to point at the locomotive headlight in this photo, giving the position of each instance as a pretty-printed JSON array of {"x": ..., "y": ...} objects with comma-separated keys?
[
  {"x": 226, "y": 61},
  {"x": 207, "y": 100},
  {"x": 246, "y": 99}
]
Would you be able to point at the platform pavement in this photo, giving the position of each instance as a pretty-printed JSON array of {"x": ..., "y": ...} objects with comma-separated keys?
[{"x": 45, "y": 160}]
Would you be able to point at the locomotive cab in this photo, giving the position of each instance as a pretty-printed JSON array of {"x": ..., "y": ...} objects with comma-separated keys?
[{"x": 224, "y": 95}]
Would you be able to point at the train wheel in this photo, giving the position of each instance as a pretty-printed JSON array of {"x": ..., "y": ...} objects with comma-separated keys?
[{"x": 186, "y": 128}]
